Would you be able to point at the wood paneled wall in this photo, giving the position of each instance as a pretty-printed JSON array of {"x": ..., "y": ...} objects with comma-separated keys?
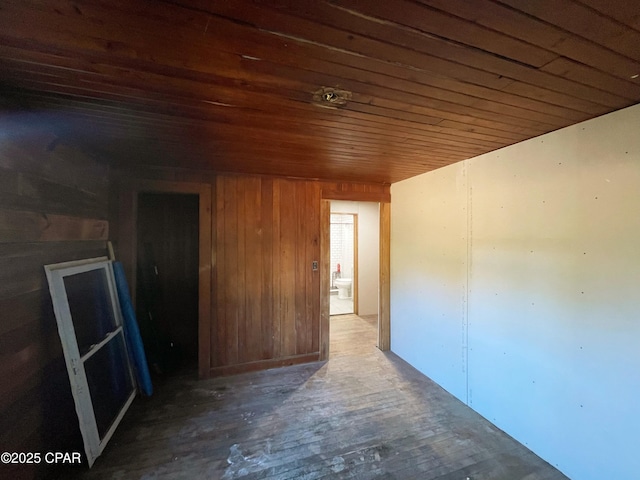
[
  {"x": 265, "y": 296},
  {"x": 53, "y": 208},
  {"x": 267, "y": 236}
]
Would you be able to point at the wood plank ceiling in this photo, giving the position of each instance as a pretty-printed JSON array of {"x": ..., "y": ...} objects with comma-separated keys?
[{"x": 237, "y": 86}]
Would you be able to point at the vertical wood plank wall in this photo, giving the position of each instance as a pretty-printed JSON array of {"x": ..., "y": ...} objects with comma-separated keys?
[
  {"x": 53, "y": 208},
  {"x": 267, "y": 238},
  {"x": 265, "y": 309}
]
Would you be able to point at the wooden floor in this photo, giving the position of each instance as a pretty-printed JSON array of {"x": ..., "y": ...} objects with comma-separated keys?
[{"x": 364, "y": 414}]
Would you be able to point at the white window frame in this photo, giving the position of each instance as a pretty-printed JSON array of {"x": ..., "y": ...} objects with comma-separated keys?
[{"x": 75, "y": 362}]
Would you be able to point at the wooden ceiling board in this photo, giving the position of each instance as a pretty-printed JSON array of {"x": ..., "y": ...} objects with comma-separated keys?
[
  {"x": 446, "y": 101},
  {"x": 443, "y": 26},
  {"x": 470, "y": 65},
  {"x": 590, "y": 24},
  {"x": 228, "y": 86},
  {"x": 458, "y": 138},
  {"x": 366, "y": 101},
  {"x": 512, "y": 17},
  {"x": 414, "y": 143},
  {"x": 623, "y": 11}
]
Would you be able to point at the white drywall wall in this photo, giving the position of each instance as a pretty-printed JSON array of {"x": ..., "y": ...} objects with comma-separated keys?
[
  {"x": 368, "y": 251},
  {"x": 429, "y": 275},
  {"x": 515, "y": 282}
]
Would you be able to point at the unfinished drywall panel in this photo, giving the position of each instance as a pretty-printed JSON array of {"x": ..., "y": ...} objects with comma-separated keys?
[
  {"x": 553, "y": 312},
  {"x": 553, "y": 272},
  {"x": 429, "y": 275}
]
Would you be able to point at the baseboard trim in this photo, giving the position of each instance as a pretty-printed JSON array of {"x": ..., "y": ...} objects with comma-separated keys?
[{"x": 224, "y": 371}]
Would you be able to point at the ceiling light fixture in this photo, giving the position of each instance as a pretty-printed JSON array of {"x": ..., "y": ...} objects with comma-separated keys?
[{"x": 331, "y": 97}]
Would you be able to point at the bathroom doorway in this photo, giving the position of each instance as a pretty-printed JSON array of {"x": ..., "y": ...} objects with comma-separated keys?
[
  {"x": 380, "y": 273},
  {"x": 344, "y": 263},
  {"x": 354, "y": 244}
]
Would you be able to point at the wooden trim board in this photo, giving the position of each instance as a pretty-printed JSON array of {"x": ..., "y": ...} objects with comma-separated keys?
[
  {"x": 325, "y": 276},
  {"x": 356, "y": 278},
  {"x": 263, "y": 364},
  {"x": 384, "y": 311},
  {"x": 354, "y": 196}
]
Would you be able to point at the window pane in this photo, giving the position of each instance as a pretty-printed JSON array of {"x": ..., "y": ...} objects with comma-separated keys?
[
  {"x": 90, "y": 305},
  {"x": 110, "y": 383}
]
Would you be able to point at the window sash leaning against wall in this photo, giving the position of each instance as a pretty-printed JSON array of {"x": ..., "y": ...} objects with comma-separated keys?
[{"x": 90, "y": 326}]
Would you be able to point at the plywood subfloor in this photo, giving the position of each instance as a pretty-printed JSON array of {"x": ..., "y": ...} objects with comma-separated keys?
[{"x": 363, "y": 414}]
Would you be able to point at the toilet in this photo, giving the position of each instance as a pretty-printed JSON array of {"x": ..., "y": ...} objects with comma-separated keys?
[{"x": 344, "y": 287}]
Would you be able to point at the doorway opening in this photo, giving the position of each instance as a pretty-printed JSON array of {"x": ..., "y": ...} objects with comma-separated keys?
[
  {"x": 354, "y": 261},
  {"x": 167, "y": 280},
  {"x": 344, "y": 263}
]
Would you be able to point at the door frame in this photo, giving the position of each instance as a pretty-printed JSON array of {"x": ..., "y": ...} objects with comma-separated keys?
[
  {"x": 128, "y": 245},
  {"x": 384, "y": 290}
]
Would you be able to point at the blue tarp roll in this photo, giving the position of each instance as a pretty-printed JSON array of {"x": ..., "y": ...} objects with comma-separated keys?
[{"x": 132, "y": 332}]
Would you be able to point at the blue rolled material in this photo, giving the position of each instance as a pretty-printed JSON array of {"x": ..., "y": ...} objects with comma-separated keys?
[{"x": 132, "y": 331}]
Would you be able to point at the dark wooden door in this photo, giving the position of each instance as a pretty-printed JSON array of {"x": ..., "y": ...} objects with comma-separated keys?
[{"x": 168, "y": 279}]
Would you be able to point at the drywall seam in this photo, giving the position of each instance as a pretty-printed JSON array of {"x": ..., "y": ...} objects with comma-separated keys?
[{"x": 469, "y": 271}]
